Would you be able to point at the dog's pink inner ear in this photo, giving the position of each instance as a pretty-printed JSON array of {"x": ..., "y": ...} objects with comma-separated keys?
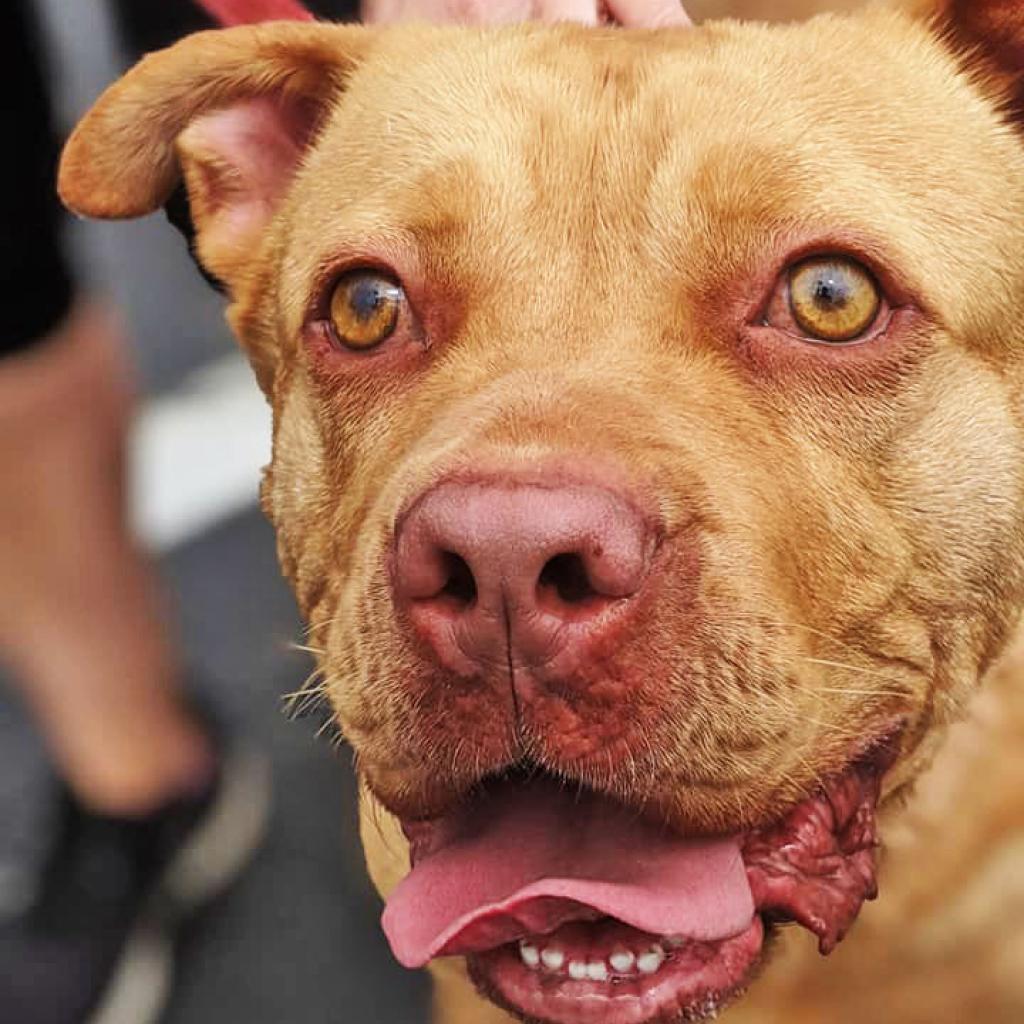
[{"x": 238, "y": 163}]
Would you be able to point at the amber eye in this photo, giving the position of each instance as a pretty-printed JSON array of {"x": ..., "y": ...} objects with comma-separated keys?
[
  {"x": 365, "y": 307},
  {"x": 832, "y": 298}
]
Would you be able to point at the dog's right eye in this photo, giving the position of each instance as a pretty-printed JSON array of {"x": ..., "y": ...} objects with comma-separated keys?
[{"x": 365, "y": 308}]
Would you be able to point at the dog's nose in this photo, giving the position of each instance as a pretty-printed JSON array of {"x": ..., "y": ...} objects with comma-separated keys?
[{"x": 492, "y": 571}]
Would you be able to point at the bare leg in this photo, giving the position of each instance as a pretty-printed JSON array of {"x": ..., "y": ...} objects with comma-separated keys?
[{"x": 80, "y": 619}]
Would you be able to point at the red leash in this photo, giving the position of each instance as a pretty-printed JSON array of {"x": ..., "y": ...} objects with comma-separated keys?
[{"x": 247, "y": 12}]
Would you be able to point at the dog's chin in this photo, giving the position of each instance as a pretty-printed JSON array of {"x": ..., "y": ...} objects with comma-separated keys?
[
  {"x": 693, "y": 981},
  {"x": 573, "y": 908}
]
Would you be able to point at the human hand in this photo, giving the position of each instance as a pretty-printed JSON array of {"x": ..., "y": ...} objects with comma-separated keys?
[{"x": 628, "y": 13}]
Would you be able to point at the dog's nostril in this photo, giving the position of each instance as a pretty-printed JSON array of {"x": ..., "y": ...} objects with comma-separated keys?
[
  {"x": 459, "y": 586},
  {"x": 567, "y": 576}
]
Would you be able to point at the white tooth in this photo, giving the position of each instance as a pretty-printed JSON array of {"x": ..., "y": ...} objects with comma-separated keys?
[
  {"x": 597, "y": 970},
  {"x": 649, "y": 962},
  {"x": 622, "y": 961},
  {"x": 553, "y": 958},
  {"x": 577, "y": 970},
  {"x": 530, "y": 955}
]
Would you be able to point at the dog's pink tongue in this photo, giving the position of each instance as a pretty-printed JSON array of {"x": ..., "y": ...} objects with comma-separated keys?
[{"x": 530, "y": 858}]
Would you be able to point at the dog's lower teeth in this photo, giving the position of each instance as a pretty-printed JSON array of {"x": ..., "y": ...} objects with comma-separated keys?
[
  {"x": 622, "y": 961},
  {"x": 553, "y": 959},
  {"x": 530, "y": 955},
  {"x": 649, "y": 962}
]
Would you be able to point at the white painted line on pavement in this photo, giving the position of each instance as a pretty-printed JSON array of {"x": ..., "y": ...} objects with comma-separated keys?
[{"x": 196, "y": 453}]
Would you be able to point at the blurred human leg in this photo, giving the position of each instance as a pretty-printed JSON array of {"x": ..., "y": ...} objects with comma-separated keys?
[
  {"x": 153, "y": 813},
  {"x": 80, "y": 621}
]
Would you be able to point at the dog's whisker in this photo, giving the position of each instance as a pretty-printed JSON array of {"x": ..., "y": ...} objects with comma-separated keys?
[
  {"x": 328, "y": 725},
  {"x": 849, "y": 691},
  {"x": 858, "y": 669},
  {"x": 307, "y": 649},
  {"x": 317, "y": 626},
  {"x": 308, "y": 695}
]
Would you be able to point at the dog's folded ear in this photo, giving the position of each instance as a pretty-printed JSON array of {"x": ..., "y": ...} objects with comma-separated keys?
[
  {"x": 229, "y": 112},
  {"x": 989, "y": 36}
]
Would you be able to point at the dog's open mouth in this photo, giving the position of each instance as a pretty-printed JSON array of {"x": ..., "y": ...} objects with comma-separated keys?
[{"x": 572, "y": 908}]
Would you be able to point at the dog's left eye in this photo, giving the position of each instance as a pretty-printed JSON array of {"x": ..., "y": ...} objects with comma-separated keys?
[
  {"x": 832, "y": 299},
  {"x": 365, "y": 308}
]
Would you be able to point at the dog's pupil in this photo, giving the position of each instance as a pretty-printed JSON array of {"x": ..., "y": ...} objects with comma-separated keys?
[
  {"x": 831, "y": 291},
  {"x": 366, "y": 299}
]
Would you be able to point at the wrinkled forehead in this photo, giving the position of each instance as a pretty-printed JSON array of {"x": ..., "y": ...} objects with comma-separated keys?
[{"x": 689, "y": 147}]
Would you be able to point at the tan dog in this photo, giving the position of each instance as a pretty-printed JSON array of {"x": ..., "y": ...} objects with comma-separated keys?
[{"x": 648, "y": 462}]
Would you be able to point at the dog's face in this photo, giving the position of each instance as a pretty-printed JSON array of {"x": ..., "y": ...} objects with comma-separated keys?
[{"x": 648, "y": 450}]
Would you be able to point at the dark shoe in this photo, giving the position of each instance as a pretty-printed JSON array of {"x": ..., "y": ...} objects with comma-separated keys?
[{"x": 93, "y": 943}]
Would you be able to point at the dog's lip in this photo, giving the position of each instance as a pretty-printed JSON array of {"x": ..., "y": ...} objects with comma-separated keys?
[
  {"x": 424, "y": 830},
  {"x": 878, "y": 751},
  {"x": 694, "y": 982}
]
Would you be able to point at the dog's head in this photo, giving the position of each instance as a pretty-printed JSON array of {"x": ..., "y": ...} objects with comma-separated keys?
[{"x": 648, "y": 452}]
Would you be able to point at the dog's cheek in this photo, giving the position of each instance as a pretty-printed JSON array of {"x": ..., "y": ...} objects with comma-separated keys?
[
  {"x": 297, "y": 501},
  {"x": 920, "y": 556},
  {"x": 956, "y": 487}
]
